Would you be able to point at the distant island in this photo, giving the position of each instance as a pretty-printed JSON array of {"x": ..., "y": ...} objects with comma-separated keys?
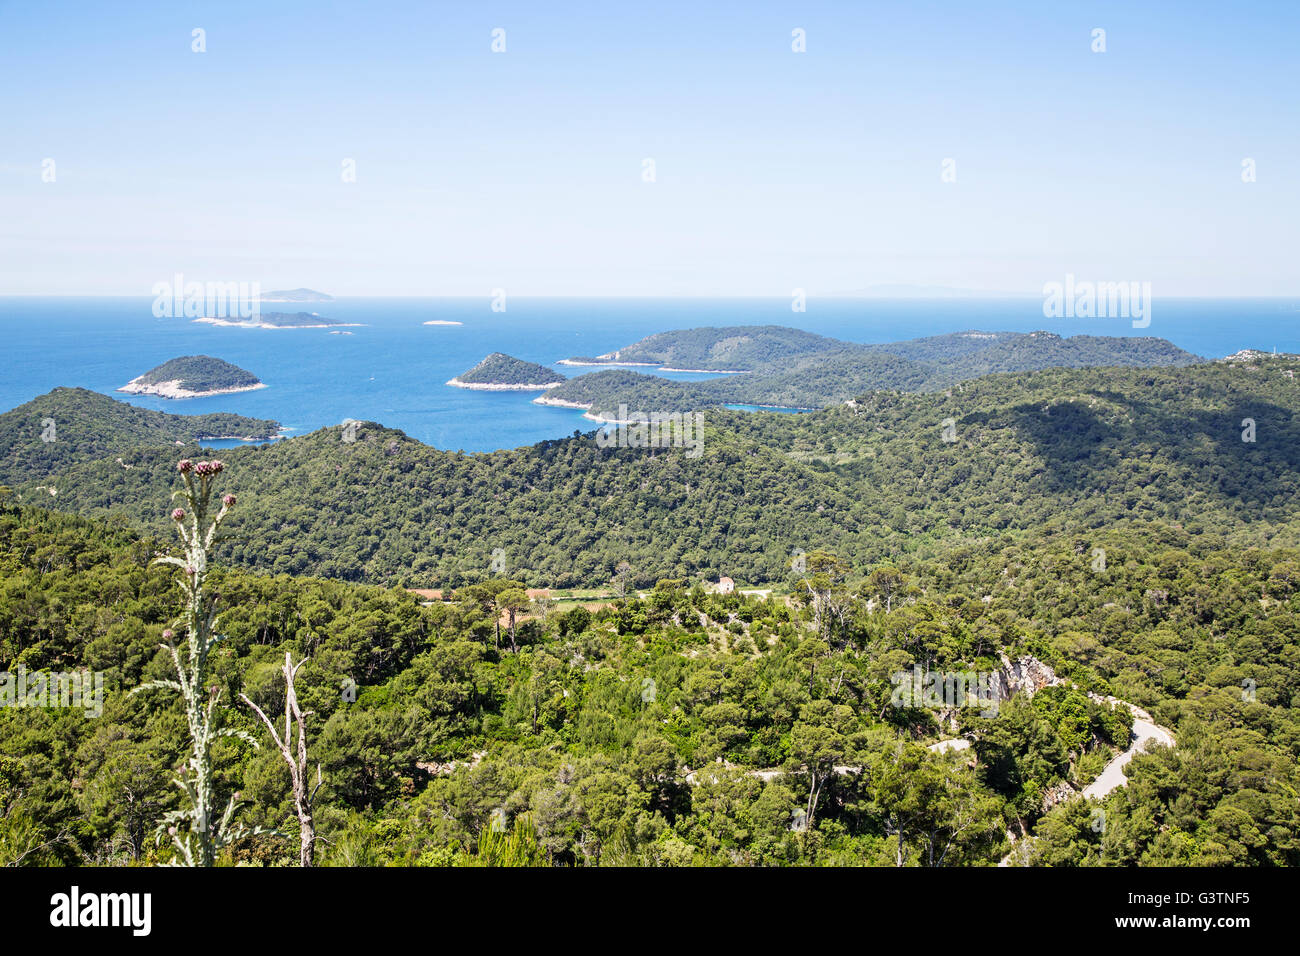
[
  {"x": 296, "y": 295},
  {"x": 193, "y": 376},
  {"x": 280, "y": 320},
  {"x": 793, "y": 369},
  {"x": 723, "y": 349},
  {"x": 501, "y": 372}
]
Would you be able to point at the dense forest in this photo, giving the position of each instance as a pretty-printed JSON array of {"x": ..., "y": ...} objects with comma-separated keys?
[
  {"x": 41, "y": 439},
  {"x": 501, "y": 369},
  {"x": 1128, "y": 531},
  {"x": 675, "y": 726},
  {"x": 198, "y": 373},
  {"x": 796, "y": 369},
  {"x": 882, "y": 477},
  {"x": 744, "y": 347}
]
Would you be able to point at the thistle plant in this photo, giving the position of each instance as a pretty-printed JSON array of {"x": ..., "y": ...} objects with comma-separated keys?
[{"x": 193, "y": 831}]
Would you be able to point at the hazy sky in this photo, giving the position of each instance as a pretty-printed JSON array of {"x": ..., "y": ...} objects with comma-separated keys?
[{"x": 523, "y": 170}]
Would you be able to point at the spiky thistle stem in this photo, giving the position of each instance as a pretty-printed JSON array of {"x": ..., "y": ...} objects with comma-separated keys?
[{"x": 194, "y": 832}]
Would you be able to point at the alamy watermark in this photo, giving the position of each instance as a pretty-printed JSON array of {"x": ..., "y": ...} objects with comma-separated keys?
[
  {"x": 74, "y": 908},
  {"x": 946, "y": 690},
  {"x": 206, "y": 300},
  {"x": 83, "y": 689},
  {"x": 654, "y": 430},
  {"x": 1102, "y": 300}
]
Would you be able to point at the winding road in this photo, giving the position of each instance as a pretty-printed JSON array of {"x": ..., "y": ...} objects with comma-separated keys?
[{"x": 1145, "y": 730}]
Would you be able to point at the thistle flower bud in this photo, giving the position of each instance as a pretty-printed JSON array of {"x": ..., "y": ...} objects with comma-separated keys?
[
  {"x": 228, "y": 501},
  {"x": 178, "y": 514},
  {"x": 167, "y": 634},
  {"x": 184, "y": 466}
]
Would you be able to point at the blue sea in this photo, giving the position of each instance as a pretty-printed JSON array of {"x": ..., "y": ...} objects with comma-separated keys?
[{"x": 393, "y": 367}]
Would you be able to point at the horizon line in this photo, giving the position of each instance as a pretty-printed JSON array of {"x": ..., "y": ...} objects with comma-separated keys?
[{"x": 978, "y": 296}]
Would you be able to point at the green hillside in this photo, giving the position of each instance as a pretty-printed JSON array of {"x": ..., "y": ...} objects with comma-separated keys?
[
  {"x": 728, "y": 348},
  {"x": 1061, "y": 448},
  {"x": 199, "y": 373},
  {"x": 501, "y": 369},
  {"x": 678, "y": 728},
  {"x": 787, "y": 367},
  {"x": 89, "y": 426}
]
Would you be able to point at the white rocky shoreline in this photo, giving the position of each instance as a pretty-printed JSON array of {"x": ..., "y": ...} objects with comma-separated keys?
[
  {"x": 258, "y": 324},
  {"x": 585, "y": 408},
  {"x": 560, "y": 403},
  {"x": 705, "y": 371},
  {"x": 247, "y": 438},
  {"x": 662, "y": 368},
  {"x": 173, "y": 389},
  {"x": 500, "y": 387},
  {"x": 574, "y": 362}
]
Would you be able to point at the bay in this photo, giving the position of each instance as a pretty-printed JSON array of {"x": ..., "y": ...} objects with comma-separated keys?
[{"x": 393, "y": 368}]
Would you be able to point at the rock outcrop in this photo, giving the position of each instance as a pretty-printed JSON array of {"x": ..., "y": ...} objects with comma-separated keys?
[{"x": 1026, "y": 674}]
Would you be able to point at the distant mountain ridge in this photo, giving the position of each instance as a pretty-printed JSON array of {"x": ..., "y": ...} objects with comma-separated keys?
[{"x": 296, "y": 295}]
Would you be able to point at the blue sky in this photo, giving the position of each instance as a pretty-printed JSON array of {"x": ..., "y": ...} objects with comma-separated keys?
[{"x": 774, "y": 170}]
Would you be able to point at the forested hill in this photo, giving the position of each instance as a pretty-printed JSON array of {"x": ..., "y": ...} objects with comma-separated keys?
[
  {"x": 756, "y": 347},
  {"x": 754, "y": 710},
  {"x": 959, "y": 356},
  {"x": 44, "y": 437},
  {"x": 727, "y": 348},
  {"x": 501, "y": 369},
  {"x": 198, "y": 373},
  {"x": 792, "y": 368},
  {"x": 813, "y": 381},
  {"x": 1076, "y": 450}
]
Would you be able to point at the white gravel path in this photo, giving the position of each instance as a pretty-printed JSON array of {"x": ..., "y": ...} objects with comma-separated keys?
[{"x": 1144, "y": 732}]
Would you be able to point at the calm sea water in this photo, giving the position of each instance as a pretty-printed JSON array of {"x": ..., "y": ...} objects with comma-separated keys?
[{"x": 392, "y": 369}]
